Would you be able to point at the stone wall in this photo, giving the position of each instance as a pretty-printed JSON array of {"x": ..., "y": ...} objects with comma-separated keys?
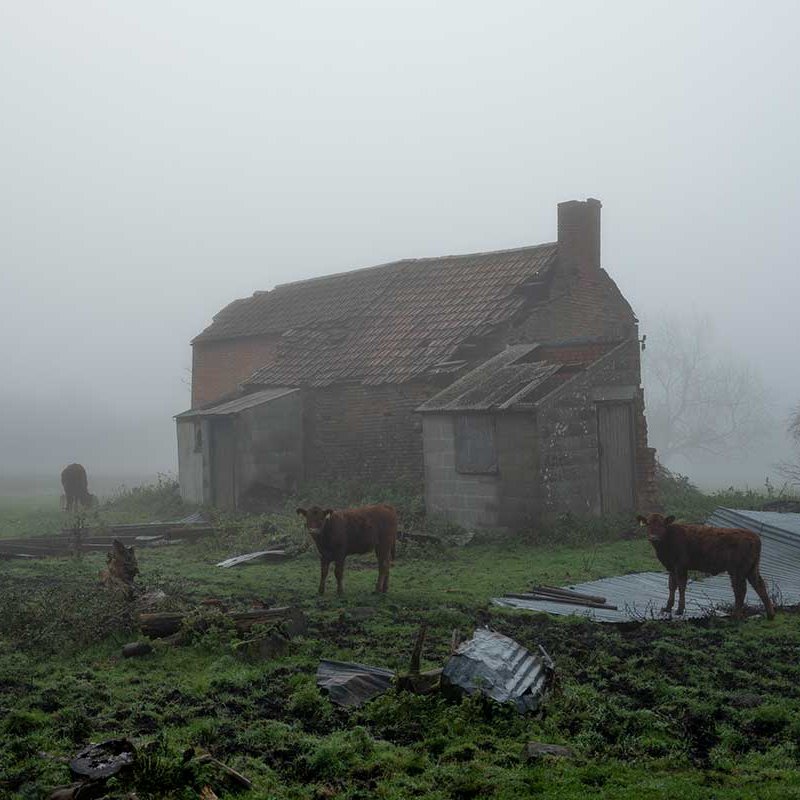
[{"x": 570, "y": 476}]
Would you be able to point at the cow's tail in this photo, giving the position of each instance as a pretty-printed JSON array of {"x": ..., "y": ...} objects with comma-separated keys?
[{"x": 394, "y": 549}]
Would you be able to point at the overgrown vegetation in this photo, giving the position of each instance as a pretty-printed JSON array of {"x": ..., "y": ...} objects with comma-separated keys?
[
  {"x": 683, "y": 499},
  {"x": 160, "y": 500},
  {"x": 653, "y": 710}
]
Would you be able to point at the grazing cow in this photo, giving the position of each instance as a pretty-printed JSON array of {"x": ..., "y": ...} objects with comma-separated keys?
[
  {"x": 76, "y": 487},
  {"x": 338, "y": 534},
  {"x": 707, "y": 549}
]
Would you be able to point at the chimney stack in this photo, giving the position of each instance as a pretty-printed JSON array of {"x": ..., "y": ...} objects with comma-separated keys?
[{"x": 579, "y": 235}]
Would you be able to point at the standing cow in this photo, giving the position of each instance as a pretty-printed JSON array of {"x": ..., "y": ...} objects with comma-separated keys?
[
  {"x": 704, "y": 548},
  {"x": 76, "y": 487},
  {"x": 338, "y": 534}
]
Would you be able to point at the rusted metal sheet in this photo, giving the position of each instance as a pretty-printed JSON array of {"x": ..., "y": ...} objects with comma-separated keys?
[
  {"x": 642, "y": 595},
  {"x": 501, "y": 669}
]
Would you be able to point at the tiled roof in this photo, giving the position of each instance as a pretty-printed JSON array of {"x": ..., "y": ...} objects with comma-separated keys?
[
  {"x": 501, "y": 383},
  {"x": 384, "y": 324}
]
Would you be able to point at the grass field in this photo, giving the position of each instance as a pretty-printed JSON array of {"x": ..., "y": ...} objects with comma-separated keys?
[{"x": 654, "y": 710}]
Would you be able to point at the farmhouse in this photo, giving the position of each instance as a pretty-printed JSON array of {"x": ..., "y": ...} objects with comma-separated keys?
[{"x": 368, "y": 375}]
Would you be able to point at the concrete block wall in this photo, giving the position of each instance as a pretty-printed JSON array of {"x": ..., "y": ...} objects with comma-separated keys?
[
  {"x": 270, "y": 445},
  {"x": 518, "y": 458},
  {"x": 469, "y": 500}
]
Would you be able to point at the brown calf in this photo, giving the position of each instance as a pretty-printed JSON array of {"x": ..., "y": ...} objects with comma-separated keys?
[
  {"x": 707, "y": 549},
  {"x": 338, "y": 534},
  {"x": 76, "y": 487}
]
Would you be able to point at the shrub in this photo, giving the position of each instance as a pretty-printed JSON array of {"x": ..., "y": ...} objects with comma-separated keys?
[{"x": 160, "y": 500}]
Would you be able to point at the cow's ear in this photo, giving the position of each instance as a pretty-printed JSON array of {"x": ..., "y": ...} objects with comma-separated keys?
[
  {"x": 669, "y": 520},
  {"x": 642, "y": 520},
  {"x": 328, "y": 512},
  {"x": 301, "y": 512}
]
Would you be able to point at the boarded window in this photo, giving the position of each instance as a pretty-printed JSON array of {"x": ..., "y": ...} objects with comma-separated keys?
[{"x": 475, "y": 450}]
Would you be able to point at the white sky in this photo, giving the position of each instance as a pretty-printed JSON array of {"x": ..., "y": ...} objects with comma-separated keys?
[{"x": 159, "y": 159}]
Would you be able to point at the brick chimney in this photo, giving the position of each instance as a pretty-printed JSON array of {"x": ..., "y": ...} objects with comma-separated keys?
[{"x": 579, "y": 235}]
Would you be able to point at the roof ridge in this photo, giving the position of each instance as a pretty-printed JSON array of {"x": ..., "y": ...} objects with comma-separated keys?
[{"x": 387, "y": 264}]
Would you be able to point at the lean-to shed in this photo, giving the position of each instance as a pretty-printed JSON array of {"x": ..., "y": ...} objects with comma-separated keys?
[
  {"x": 531, "y": 433},
  {"x": 243, "y": 450}
]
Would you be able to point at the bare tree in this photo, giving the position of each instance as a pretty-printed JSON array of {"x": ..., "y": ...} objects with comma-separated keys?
[
  {"x": 791, "y": 469},
  {"x": 700, "y": 400}
]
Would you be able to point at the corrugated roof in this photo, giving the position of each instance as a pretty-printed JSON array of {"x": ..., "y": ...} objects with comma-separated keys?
[
  {"x": 239, "y": 404},
  {"x": 642, "y": 595},
  {"x": 385, "y": 324},
  {"x": 499, "y": 383}
]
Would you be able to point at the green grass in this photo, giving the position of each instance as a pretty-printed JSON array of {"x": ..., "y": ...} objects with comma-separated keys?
[
  {"x": 41, "y": 515},
  {"x": 655, "y": 710}
]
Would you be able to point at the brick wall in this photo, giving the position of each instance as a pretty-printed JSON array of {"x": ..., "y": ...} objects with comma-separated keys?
[
  {"x": 218, "y": 367},
  {"x": 581, "y": 306},
  {"x": 365, "y": 432}
]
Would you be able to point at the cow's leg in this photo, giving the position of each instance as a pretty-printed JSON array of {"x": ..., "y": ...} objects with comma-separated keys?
[
  {"x": 739, "y": 585},
  {"x": 671, "y": 600},
  {"x": 323, "y": 574},
  {"x": 682, "y": 576},
  {"x": 757, "y": 582},
  {"x": 384, "y": 562},
  {"x": 338, "y": 570}
]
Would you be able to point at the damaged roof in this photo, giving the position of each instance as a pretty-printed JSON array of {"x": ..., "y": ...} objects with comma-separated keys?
[
  {"x": 238, "y": 404},
  {"x": 509, "y": 379},
  {"x": 385, "y": 324}
]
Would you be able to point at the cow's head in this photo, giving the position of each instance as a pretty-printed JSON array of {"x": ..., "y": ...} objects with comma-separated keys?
[
  {"x": 656, "y": 525},
  {"x": 316, "y": 519}
]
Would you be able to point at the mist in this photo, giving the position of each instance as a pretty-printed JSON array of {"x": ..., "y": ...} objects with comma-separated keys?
[{"x": 159, "y": 160}]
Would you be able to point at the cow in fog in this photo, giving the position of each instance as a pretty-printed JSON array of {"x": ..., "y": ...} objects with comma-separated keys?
[
  {"x": 76, "y": 487},
  {"x": 338, "y": 534},
  {"x": 704, "y": 548}
]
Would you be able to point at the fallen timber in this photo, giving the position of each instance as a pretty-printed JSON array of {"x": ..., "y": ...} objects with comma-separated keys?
[
  {"x": 69, "y": 541},
  {"x": 572, "y": 601}
]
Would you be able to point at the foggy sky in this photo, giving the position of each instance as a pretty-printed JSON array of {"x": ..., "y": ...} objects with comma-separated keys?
[{"x": 159, "y": 159}]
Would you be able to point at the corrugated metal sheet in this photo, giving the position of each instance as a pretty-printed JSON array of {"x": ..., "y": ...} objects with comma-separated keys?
[
  {"x": 239, "y": 404},
  {"x": 501, "y": 669},
  {"x": 642, "y": 595},
  {"x": 350, "y": 685},
  {"x": 499, "y": 383}
]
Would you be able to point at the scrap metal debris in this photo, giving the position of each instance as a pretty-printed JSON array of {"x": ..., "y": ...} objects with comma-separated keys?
[
  {"x": 352, "y": 685},
  {"x": 641, "y": 596},
  {"x": 270, "y": 556},
  {"x": 501, "y": 669},
  {"x": 536, "y": 750},
  {"x": 100, "y": 761}
]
